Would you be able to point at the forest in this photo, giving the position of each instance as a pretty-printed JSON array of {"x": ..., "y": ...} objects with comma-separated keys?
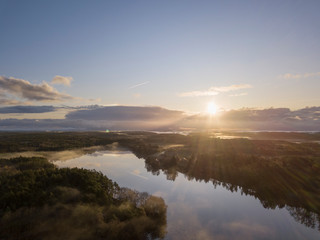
[{"x": 40, "y": 201}]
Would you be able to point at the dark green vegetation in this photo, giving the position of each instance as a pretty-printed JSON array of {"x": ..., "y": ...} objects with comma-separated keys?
[
  {"x": 290, "y": 136},
  {"x": 280, "y": 173},
  {"x": 40, "y": 201},
  {"x": 58, "y": 141},
  {"x": 42, "y": 141}
]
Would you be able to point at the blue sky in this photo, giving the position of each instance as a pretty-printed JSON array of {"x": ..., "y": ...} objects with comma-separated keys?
[{"x": 255, "y": 54}]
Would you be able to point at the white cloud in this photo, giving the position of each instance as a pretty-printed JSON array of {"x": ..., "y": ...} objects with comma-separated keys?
[
  {"x": 7, "y": 101},
  {"x": 137, "y": 95},
  {"x": 198, "y": 93},
  {"x": 299, "y": 76},
  {"x": 307, "y": 75},
  {"x": 214, "y": 90},
  {"x": 290, "y": 76},
  {"x": 140, "y": 84},
  {"x": 231, "y": 88},
  {"x": 62, "y": 80},
  {"x": 238, "y": 94},
  {"x": 247, "y": 230},
  {"x": 23, "y": 89}
]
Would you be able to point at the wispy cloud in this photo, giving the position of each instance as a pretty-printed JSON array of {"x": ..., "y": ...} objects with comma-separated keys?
[
  {"x": 8, "y": 101},
  {"x": 299, "y": 76},
  {"x": 137, "y": 95},
  {"x": 23, "y": 89},
  {"x": 238, "y": 94},
  {"x": 140, "y": 84},
  {"x": 199, "y": 93},
  {"x": 137, "y": 173},
  {"x": 247, "y": 230},
  {"x": 62, "y": 80},
  {"x": 232, "y": 88},
  {"x": 214, "y": 90}
]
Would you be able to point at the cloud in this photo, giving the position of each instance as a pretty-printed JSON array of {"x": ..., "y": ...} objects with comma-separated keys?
[
  {"x": 125, "y": 113},
  {"x": 238, "y": 95},
  {"x": 272, "y": 119},
  {"x": 160, "y": 119},
  {"x": 137, "y": 173},
  {"x": 198, "y": 93},
  {"x": 273, "y": 114},
  {"x": 215, "y": 90},
  {"x": 62, "y": 80},
  {"x": 140, "y": 84},
  {"x": 247, "y": 230},
  {"x": 101, "y": 118},
  {"x": 231, "y": 88},
  {"x": 27, "y": 109},
  {"x": 299, "y": 76},
  {"x": 24, "y": 89},
  {"x": 5, "y": 101},
  {"x": 137, "y": 95}
]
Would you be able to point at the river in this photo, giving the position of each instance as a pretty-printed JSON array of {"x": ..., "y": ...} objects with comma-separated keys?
[{"x": 196, "y": 209}]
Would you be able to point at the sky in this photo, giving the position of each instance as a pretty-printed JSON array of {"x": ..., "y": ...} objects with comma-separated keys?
[{"x": 177, "y": 55}]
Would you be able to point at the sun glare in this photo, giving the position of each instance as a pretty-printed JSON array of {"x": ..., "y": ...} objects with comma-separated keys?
[{"x": 212, "y": 108}]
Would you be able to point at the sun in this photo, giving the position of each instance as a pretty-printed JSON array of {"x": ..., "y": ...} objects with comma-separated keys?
[{"x": 212, "y": 108}]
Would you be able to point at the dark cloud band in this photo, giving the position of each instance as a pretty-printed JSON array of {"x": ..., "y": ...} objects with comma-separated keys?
[
  {"x": 27, "y": 109},
  {"x": 161, "y": 119}
]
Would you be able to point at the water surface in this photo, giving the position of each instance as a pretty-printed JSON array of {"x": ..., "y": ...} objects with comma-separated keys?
[{"x": 197, "y": 210}]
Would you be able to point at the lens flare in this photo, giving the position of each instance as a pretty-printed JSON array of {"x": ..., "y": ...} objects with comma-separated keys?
[{"x": 212, "y": 108}]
